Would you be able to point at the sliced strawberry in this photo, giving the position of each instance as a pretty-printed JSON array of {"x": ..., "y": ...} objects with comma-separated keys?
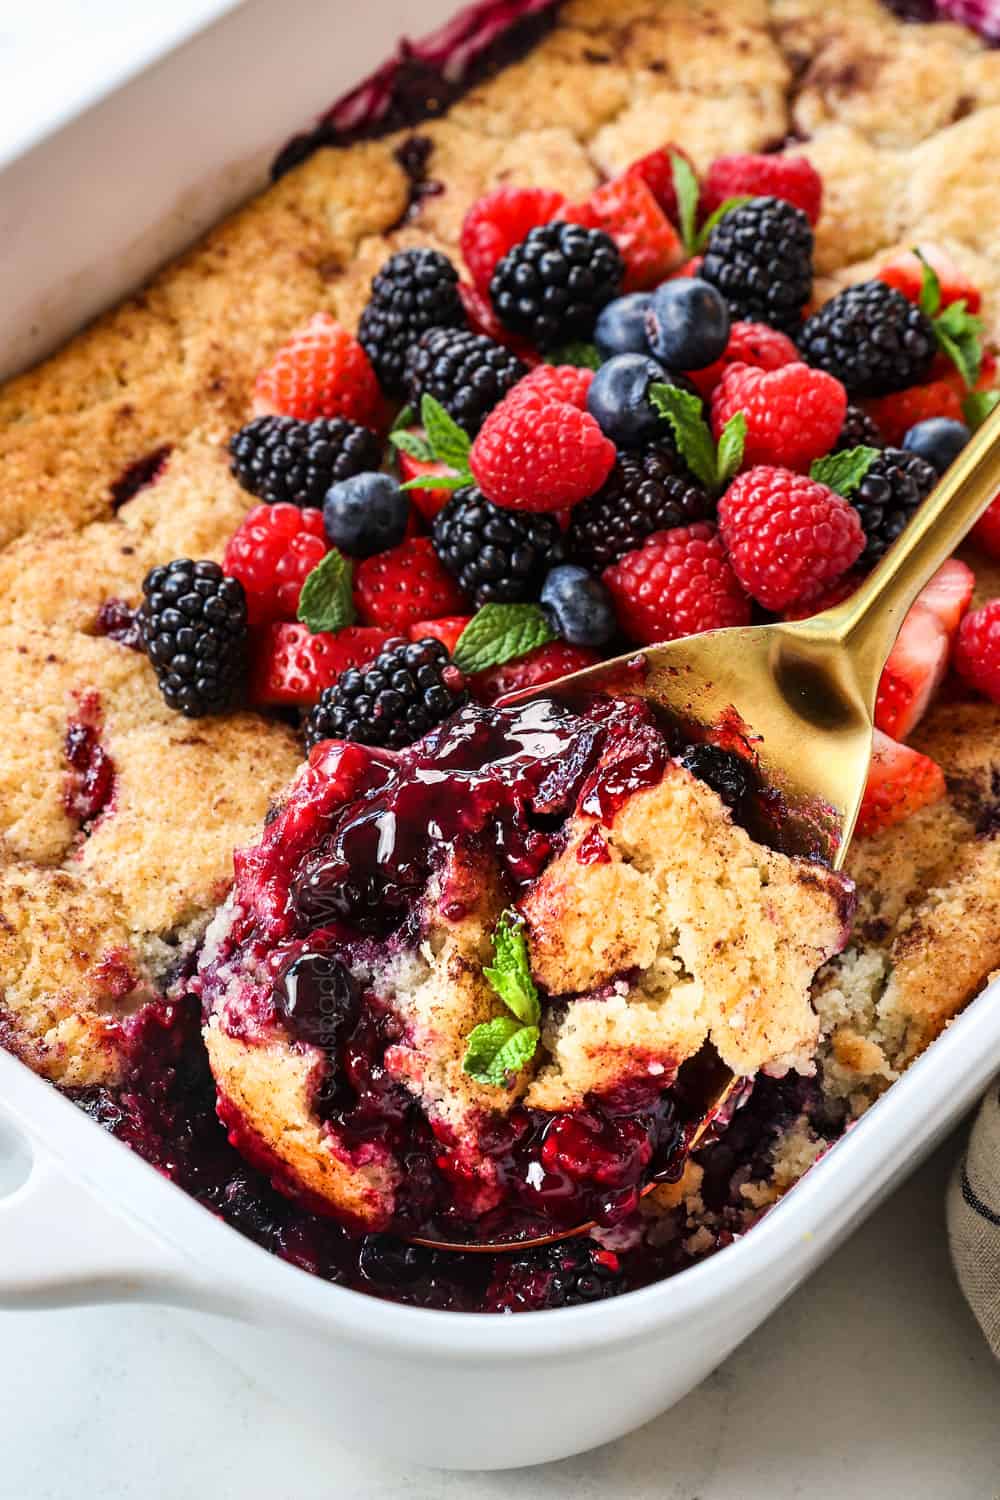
[
  {"x": 986, "y": 532},
  {"x": 543, "y": 664},
  {"x": 919, "y": 660},
  {"x": 626, "y": 210},
  {"x": 290, "y": 665},
  {"x": 657, "y": 171},
  {"x": 446, "y": 630},
  {"x": 408, "y": 583},
  {"x": 894, "y": 415},
  {"x": 905, "y": 272},
  {"x": 426, "y": 502},
  {"x": 900, "y": 782}
]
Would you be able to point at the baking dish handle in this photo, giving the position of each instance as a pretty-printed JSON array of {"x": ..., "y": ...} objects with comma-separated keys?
[{"x": 60, "y": 1246}]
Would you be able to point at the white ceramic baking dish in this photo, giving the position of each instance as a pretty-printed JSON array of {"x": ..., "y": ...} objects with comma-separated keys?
[{"x": 162, "y": 156}]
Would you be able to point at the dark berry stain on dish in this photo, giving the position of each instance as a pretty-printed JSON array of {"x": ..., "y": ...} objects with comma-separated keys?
[{"x": 138, "y": 475}]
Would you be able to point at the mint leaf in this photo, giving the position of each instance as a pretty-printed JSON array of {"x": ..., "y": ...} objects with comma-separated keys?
[
  {"x": 930, "y": 286},
  {"x": 692, "y": 432},
  {"x": 510, "y": 974},
  {"x": 449, "y": 443},
  {"x": 843, "y": 472},
  {"x": 959, "y": 335},
  {"x": 326, "y": 601},
  {"x": 497, "y": 1049},
  {"x": 412, "y": 443},
  {"x": 731, "y": 445},
  {"x": 727, "y": 206},
  {"x": 437, "y": 482},
  {"x": 977, "y": 406},
  {"x": 577, "y": 353},
  {"x": 686, "y": 192},
  {"x": 405, "y": 417},
  {"x": 499, "y": 633}
]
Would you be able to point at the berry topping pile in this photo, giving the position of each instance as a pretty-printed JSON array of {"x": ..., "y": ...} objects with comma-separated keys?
[{"x": 625, "y": 419}]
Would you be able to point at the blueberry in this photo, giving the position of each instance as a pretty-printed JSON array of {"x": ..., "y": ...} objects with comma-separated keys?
[
  {"x": 365, "y": 514},
  {"x": 687, "y": 325},
  {"x": 939, "y": 440},
  {"x": 317, "y": 998},
  {"x": 578, "y": 606},
  {"x": 621, "y": 326},
  {"x": 619, "y": 402}
]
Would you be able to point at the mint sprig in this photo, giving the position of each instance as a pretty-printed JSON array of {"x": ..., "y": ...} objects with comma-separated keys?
[
  {"x": 977, "y": 406},
  {"x": 326, "y": 601},
  {"x": 843, "y": 472},
  {"x": 725, "y": 207},
  {"x": 710, "y": 463},
  {"x": 445, "y": 443},
  {"x": 496, "y": 1050},
  {"x": 687, "y": 193},
  {"x": 958, "y": 332},
  {"x": 498, "y": 633},
  {"x": 579, "y": 353}
]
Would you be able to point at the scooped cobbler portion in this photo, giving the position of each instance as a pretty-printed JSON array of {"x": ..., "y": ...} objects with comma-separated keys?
[
  {"x": 561, "y": 860},
  {"x": 648, "y": 319}
]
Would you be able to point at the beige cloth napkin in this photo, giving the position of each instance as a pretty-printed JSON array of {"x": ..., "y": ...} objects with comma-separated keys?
[{"x": 974, "y": 1219}]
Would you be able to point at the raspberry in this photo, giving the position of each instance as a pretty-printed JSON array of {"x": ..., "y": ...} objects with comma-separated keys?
[
  {"x": 754, "y": 344},
  {"x": 408, "y": 688},
  {"x": 626, "y": 209},
  {"x": 537, "y": 454},
  {"x": 657, "y": 171},
  {"x": 645, "y": 492},
  {"x": 543, "y": 664},
  {"x": 194, "y": 631},
  {"x": 905, "y": 272},
  {"x": 280, "y": 458},
  {"x": 793, "y": 414},
  {"x": 272, "y": 553},
  {"x": 977, "y": 651},
  {"x": 466, "y": 372},
  {"x": 498, "y": 221},
  {"x": 788, "y": 536},
  {"x": 842, "y": 588},
  {"x": 986, "y": 531},
  {"x": 678, "y": 583},
  {"x": 414, "y": 290},
  {"x": 322, "y": 371},
  {"x": 551, "y": 286},
  {"x": 559, "y": 383},
  {"x": 291, "y": 665},
  {"x": 871, "y": 339},
  {"x": 791, "y": 178},
  {"x": 894, "y": 415},
  {"x": 394, "y": 589},
  {"x": 498, "y": 556},
  {"x": 759, "y": 256}
]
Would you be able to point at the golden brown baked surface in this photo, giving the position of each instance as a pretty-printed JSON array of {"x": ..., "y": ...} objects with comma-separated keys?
[{"x": 900, "y": 120}]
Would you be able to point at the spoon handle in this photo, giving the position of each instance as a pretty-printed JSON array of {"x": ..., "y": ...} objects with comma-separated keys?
[{"x": 867, "y": 623}]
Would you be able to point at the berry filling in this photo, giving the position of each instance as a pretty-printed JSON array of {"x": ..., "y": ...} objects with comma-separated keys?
[{"x": 90, "y": 780}]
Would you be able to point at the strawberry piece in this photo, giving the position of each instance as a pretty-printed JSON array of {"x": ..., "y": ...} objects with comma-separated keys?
[
  {"x": 397, "y": 588},
  {"x": 272, "y": 553},
  {"x": 794, "y": 414},
  {"x": 977, "y": 651},
  {"x": 322, "y": 371},
  {"x": 426, "y": 501},
  {"x": 482, "y": 319},
  {"x": 792, "y": 178},
  {"x": 944, "y": 369},
  {"x": 535, "y": 453},
  {"x": 657, "y": 171},
  {"x": 290, "y": 665},
  {"x": 688, "y": 268},
  {"x": 679, "y": 582},
  {"x": 755, "y": 344},
  {"x": 543, "y": 664},
  {"x": 894, "y": 415},
  {"x": 447, "y": 630},
  {"x": 900, "y": 781},
  {"x": 498, "y": 221},
  {"x": 986, "y": 532},
  {"x": 919, "y": 660},
  {"x": 627, "y": 211},
  {"x": 949, "y": 593},
  {"x": 905, "y": 272}
]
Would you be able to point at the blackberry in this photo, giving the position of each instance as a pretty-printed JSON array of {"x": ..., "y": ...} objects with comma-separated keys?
[
  {"x": 759, "y": 256},
  {"x": 872, "y": 338},
  {"x": 551, "y": 286},
  {"x": 727, "y": 773},
  {"x": 567, "y": 1274},
  {"x": 283, "y": 459},
  {"x": 645, "y": 492},
  {"x": 858, "y": 431},
  {"x": 403, "y": 693},
  {"x": 194, "y": 631},
  {"x": 498, "y": 556},
  {"x": 415, "y": 290},
  {"x": 895, "y": 486},
  {"x": 467, "y": 372}
]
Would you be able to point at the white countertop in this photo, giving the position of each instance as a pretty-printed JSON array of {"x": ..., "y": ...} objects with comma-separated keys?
[{"x": 872, "y": 1380}]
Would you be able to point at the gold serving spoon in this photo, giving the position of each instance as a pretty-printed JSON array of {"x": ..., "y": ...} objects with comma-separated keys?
[{"x": 804, "y": 694}]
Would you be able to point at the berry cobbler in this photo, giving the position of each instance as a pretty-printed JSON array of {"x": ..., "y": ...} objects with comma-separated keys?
[{"x": 316, "y": 887}]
